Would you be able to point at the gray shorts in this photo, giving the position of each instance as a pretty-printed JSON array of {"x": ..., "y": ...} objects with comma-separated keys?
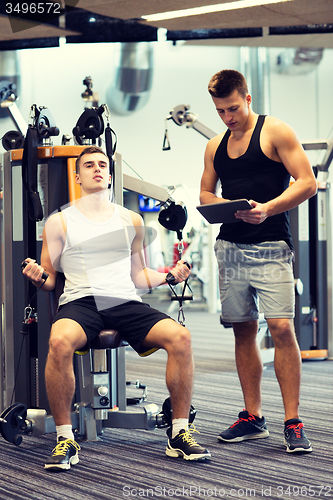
[{"x": 250, "y": 272}]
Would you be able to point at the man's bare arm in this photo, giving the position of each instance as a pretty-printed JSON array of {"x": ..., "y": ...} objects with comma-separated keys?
[
  {"x": 142, "y": 276},
  {"x": 295, "y": 160},
  {"x": 53, "y": 241},
  {"x": 209, "y": 179}
]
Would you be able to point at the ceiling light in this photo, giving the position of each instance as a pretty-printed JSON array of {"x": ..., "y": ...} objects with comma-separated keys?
[{"x": 208, "y": 9}]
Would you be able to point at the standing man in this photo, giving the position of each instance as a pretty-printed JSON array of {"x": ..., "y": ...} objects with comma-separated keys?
[
  {"x": 99, "y": 247},
  {"x": 254, "y": 159}
]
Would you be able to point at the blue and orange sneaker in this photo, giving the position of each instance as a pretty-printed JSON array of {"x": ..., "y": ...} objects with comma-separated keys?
[
  {"x": 247, "y": 426},
  {"x": 295, "y": 438}
]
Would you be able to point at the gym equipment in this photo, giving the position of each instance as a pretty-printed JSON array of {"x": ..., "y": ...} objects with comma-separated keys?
[
  {"x": 170, "y": 279},
  {"x": 100, "y": 399},
  {"x": 13, "y": 139},
  {"x": 89, "y": 126},
  {"x": 181, "y": 115},
  {"x": 44, "y": 123},
  {"x": 316, "y": 235},
  {"x": 174, "y": 217},
  {"x": 56, "y": 166},
  {"x": 101, "y": 395}
]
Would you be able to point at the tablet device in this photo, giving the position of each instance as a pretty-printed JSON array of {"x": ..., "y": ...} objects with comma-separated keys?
[{"x": 217, "y": 213}]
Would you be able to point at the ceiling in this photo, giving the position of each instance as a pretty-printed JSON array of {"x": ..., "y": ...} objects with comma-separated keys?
[{"x": 295, "y": 23}]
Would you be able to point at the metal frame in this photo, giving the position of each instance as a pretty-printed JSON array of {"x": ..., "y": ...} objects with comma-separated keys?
[
  {"x": 7, "y": 306},
  {"x": 325, "y": 238}
]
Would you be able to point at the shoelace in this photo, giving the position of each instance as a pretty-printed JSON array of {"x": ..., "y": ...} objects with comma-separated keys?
[
  {"x": 63, "y": 446},
  {"x": 187, "y": 436},
  {"x": 297, "y": 428},
  {"x": 250, "y": 417}
]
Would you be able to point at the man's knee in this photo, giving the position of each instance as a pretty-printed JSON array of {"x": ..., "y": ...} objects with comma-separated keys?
[
  {"x": 184, "y": 335},
  {"x": 59, "y": 344},
  {"x": 181, "y": 339},
  {"x": 245, "y": 331},
  {"x": 169, "y": 335},
  {"x": 66, "y": 337},
  {"x": 282, "y": 331},
  {"x": 63, "y": 341}
]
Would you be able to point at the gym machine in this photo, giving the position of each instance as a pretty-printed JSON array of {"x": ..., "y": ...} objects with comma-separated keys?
[
  {"x": 36, "y": 181},
  {"x": 13, "y": 139},
  {"x": 316, "y": 238},
  {"x": 311, "y": 228}
]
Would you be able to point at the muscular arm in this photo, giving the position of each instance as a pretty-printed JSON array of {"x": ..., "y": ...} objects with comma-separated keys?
[
  {"x": 53, "y": 240},
  {"x": 209, "y": 177},
  {"x": 287, "y": 148},
  {"x": 142, "y": 276}
]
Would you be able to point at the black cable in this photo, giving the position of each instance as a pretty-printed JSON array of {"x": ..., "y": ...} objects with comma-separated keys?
[
  {"x": 24, "y": 335},
  {"x": 181, "y": 298},
  {"x": 17, "y": 369},
  {"x": 34, "y": 295}
]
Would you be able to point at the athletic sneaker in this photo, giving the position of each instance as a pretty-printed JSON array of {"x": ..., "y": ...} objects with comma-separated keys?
[
  {"x": 247, "y": 427},
  {"x": 185, "y": 446},
  {"x": 295, "y": 438},
  {"x": 63, "y": 456}
]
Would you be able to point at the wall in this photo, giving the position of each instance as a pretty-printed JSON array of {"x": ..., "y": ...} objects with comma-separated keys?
[{"x": 304, "y": 101}]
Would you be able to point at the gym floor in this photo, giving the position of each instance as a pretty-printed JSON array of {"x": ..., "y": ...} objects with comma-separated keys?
[{"x": 132, "y": 463}]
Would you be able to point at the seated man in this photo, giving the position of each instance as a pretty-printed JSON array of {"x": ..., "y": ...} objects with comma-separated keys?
[{"x": 99, "y": 247}]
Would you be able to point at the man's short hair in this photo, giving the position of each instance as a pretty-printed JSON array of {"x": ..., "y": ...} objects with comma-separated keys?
[
  {"x": 87, "y": 151},
  {"x": 223, "y": 83}
]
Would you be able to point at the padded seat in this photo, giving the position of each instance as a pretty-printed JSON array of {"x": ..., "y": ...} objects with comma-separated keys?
[{"x": 108, "y": 339}]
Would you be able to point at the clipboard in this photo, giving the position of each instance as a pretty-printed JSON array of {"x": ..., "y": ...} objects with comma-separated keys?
[{"x": 217, "y": 213}]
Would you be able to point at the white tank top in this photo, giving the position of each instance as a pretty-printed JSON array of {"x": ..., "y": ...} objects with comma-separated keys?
[{"x": 96, "y": 258}]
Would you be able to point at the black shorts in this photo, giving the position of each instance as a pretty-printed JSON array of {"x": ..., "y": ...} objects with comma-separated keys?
[{"x": 132, "y": 319}]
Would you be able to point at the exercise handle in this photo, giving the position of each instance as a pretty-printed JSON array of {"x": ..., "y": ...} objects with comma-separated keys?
[
  {"x": 170, "y": 277},
  {"x": 44, "y": 275}
]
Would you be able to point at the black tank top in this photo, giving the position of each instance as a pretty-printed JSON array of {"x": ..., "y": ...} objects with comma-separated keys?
[{"x": 252, "y": 176}]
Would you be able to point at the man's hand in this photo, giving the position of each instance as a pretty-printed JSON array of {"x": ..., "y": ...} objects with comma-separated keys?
[
  {"x": 33, "y": 271},
  {"x": 181, "y": 272},
  {"x": 256, "y": 215}
]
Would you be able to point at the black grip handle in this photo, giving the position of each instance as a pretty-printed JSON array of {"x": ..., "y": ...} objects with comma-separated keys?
[
  {"x": 44, "y": 275},
  {"x": 170, "y": 277}
]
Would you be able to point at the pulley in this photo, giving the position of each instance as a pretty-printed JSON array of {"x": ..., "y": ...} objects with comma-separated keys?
[
  {"x": 90, "y": 125},
  {"x": 13, "y": 423},
  {"x": 45, "y": 124},
  {"x": 13, "y": 140},
  {"x": 173, "y": 216}
]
